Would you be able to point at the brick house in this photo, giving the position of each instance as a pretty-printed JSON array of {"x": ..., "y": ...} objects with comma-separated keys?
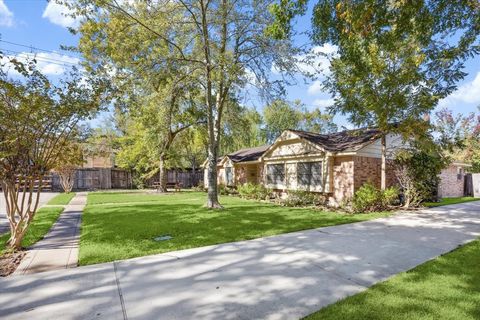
[
  {"x": 336, "y": 164},
  {"x": 452, "y": 180}
]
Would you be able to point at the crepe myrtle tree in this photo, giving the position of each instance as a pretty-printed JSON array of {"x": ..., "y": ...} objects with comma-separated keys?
[
  {"x": 68, "y": 162},
  {"x": 37, "y": 119}
]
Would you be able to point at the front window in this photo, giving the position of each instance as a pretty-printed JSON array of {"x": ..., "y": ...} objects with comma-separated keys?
[
  {"x": 309, "y": 174},
  {"x": 276, "y": 174}
]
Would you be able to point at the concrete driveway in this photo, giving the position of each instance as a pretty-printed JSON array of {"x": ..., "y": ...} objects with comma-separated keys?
[
  {"x": 4, "y": 227},
  {"x": 280, "y": 277}
]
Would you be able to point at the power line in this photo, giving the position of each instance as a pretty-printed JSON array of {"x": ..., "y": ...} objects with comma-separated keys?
[
  {"x": 35, "y": 48},
  {"x": 42, "y": 59}
]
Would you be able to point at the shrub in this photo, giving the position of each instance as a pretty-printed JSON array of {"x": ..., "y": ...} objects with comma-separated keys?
[
  {"x": 300, "y": 198},
  {"x": 368, "y": 198},
  {"x": 417, "y": 172},
  {"x": 254, "y": 191},
  {"x": 199, "y": 188},
  {"x": 390, "y": 197}
]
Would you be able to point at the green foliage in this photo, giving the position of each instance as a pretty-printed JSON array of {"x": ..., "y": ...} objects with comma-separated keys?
[
  {"x": 254, "y": 191},
  {"x": 394, "y": 60},
  {"x": 368, "y": 198},
  {"x": 301, "y": 198},
  {"x": 459, "y": 136},
  {"x": 418, "y": 172},
  {"x": 281, "y": 115},
  {"x": 242, "y": 128}
]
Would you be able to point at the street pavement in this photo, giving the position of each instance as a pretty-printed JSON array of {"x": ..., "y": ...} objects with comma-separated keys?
[{"x": 280, "y": 277}]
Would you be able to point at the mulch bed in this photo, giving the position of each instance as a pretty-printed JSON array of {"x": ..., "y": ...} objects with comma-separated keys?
[{"x": 10, "y": 261}]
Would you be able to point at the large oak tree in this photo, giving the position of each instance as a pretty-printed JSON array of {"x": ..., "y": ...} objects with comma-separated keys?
[
  {"x": 221, "y": 42},
  {"x": 395, "y": 59}
]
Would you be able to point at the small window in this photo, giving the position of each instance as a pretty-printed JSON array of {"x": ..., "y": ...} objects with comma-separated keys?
[
  {"x": 309, "y": 174},
  {"x": 460, "y": 173},
  {"x": 276, "y": 173}
]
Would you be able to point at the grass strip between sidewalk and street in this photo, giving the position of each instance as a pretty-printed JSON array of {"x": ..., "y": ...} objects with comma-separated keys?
[{"x": 447, "y": 287}]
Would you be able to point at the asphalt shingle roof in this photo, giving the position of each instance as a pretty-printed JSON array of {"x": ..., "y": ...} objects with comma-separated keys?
[
  {"x": 341, "y": 141},
  {"x": 248, "y": 154}
]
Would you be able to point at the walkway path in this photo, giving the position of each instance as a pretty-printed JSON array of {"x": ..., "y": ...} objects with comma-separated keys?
[
  {"x": 280, "y": 277},
  {"x": 4, "y": 226},
  {"x": 59, "y": 248}
]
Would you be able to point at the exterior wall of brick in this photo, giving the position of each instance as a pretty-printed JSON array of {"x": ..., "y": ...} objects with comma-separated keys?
[
  {"x": 343, "y": 182},
  {"x": 451, "y": 182},
  {"x": 367, "y": 169}
]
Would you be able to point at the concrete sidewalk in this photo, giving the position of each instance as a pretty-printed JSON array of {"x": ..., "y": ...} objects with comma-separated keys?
[
  {"x": 59, "y": 248},
  {"x": 280, "y": 277}
]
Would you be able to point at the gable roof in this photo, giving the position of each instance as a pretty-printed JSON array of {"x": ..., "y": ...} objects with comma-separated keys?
[
  {"x": 248, "y": 154},
  {"x": 341, "y": 141}
]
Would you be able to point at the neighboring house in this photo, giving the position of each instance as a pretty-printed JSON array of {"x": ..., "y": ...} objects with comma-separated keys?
[
  {"x": 453, "y": 180},
  {"x": 336, "y": 164}
]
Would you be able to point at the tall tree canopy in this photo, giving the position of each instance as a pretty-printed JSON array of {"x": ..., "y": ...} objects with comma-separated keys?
[
  {"x": 221, "y": 43},
  {"x": 281, "y": 115},
  {"x": 395, "y": 59}
]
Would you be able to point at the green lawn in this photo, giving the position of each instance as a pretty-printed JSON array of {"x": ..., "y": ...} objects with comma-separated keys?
[
  {"x": 445, "y": 288},
  {"x": 447, "y": 201},
  {"x": 61, "y": 199},
  {"x": 43, "y": 221},
  {"x": 121, "y": 226}
]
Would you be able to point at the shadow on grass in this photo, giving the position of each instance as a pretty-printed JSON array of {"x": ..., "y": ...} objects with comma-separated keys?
[{"x": 118, "y": 232}]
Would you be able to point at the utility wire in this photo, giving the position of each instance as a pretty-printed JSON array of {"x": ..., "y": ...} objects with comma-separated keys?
[
  {"x": 43, "y": 59},
  {"x": 35, "y": 48}
]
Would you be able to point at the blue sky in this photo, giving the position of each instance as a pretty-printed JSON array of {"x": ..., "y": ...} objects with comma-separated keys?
[{"x": 40, "y": 24}]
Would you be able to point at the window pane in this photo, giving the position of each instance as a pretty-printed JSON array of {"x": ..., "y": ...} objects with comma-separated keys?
[
  {"x": 276, "y": 173},
  {"x": 309, "y": 174}
]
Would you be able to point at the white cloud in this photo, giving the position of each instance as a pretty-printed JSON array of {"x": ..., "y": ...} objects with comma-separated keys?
[
  {"x": 323, "y": 103},
  {"x": 317, "y": 62},
  {"x": 315, "y": 88},
  {"x": 6, "y": 16},
  {"x": 51, "y": 64},
  {"x": 468, "y": 93},
  {"x": 60, "y": 15}
]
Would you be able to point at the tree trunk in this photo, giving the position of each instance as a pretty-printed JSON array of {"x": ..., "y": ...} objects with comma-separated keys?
[
  {"x": 383, "y": 175},
  {"x": 67, "y": 179},
  {"x": 212, "y": 193},
  {"x": 162, "y": 175},
  {"x": 194, "y": 174},
  {"x": 20, "y": 207}
]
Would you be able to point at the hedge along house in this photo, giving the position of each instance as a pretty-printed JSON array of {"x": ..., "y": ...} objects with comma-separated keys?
[{"x": 336, "y": 164}]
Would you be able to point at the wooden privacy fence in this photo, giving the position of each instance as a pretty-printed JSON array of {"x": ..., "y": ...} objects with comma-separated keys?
[
  {"x": 97, "y": 178},
  {"x": 185, "y": 177}
]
